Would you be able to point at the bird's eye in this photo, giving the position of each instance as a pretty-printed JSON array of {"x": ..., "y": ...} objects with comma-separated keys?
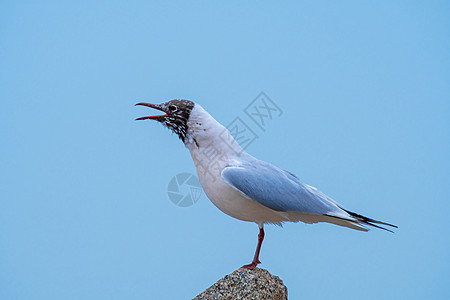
[{"x": 172, "y": 108}]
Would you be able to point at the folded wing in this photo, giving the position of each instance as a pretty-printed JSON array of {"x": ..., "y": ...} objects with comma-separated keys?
[
  {"x": 277, "y": 189},
  {"x": 282, "y": 191}
]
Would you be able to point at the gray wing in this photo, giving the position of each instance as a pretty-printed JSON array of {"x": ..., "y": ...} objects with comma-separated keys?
[
  {"x": 281, "y": 190},
  {"x": 278, "y": 189}
]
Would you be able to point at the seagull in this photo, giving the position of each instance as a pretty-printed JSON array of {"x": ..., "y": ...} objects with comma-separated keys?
[{"x": 245, "y": 187}]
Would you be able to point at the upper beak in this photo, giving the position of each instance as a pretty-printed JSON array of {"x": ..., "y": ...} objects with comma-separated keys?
[{"x": 155, "y": 106}]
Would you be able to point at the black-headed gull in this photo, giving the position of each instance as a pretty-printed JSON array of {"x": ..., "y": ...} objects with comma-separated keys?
[{"x": 244, "y": 187}]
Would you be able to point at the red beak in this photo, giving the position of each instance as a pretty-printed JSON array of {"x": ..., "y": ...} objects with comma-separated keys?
[{"x": 155, "y": 106}]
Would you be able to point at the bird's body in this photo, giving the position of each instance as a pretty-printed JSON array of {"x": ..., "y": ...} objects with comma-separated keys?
[
  {"x": 244, "y": 187},
  {"x": 220, "y": 161}
]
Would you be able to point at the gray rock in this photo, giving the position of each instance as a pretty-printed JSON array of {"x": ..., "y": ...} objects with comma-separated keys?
[{"x": 246, "y": 284}]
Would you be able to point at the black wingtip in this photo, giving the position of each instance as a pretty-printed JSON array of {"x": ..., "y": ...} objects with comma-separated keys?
[
  {"x": 380, "y": 227},
  {"x": 369, "y": 221}
]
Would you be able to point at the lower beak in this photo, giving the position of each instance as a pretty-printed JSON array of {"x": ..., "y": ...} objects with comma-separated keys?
[{"x": 155, "y": 106}]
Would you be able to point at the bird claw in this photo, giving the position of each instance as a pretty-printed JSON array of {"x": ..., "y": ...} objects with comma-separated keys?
[{"x": 251, "y": 266}]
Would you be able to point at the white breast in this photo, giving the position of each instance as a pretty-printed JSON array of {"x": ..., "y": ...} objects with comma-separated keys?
[{"x": 213, "y": 148}]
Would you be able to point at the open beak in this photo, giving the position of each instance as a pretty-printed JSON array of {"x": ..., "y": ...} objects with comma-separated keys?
[{"x": 155, "y": 106}]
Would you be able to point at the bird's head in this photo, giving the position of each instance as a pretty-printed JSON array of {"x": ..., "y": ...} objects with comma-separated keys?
[{"x": 175, "y": 117}]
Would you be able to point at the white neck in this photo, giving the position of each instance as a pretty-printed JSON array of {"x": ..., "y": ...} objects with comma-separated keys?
[{"x": 206, "y": 137}]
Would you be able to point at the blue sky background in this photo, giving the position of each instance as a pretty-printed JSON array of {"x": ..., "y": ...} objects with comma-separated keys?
[{"x": 84, "y": 211}]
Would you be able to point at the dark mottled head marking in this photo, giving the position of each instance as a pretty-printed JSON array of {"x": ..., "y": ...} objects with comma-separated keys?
[{"x": 176, "y": 115}]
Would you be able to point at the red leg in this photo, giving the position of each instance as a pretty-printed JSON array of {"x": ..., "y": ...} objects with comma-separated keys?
[{"x": 256, "y": 261}]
